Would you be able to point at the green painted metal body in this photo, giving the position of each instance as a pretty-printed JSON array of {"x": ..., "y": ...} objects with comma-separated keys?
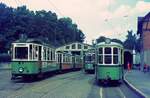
[
  {"x": 32, "y": 67},
  {"x": 115, "y": 72},
  {"x": 89, "y": 66},
  {"x": 49, "y": 66}
]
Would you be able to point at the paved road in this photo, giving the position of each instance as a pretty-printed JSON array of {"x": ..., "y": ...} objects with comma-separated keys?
[
  {"x": 69, "y": 85},
  {"x": 115, "y": 91}
]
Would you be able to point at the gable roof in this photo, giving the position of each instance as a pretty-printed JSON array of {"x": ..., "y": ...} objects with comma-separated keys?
[
  {"x": 73, "y": 43},
  {"x": 141, "y": 20}
]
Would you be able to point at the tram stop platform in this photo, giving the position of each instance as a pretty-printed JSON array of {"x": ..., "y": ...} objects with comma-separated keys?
[{"x": 139, "y": 82}]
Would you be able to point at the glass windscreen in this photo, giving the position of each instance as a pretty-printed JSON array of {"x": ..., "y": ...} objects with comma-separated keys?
[
  {"x": 108, "y": 59},
  {"x": 115, "y": 59},
  {"x": 108, "y": 50},
  {"x": 21, "y": 52},
  {"x": 88, "y": 58}
]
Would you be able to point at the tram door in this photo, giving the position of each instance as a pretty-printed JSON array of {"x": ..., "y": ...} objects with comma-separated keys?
[
  {"x": 39, "y": 54},
  {"x": 60, "y": 60}
]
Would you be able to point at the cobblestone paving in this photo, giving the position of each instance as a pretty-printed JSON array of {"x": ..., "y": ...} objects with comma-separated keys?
[{"x": 69, "y": 85}]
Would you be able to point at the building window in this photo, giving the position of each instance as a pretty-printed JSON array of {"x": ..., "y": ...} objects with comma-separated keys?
[
  {"x": 79, "y": 46},
  {"x": 85, "y": 47},
  {"x": 67, "y": 47},
  {"x": 73, "y": 46}
]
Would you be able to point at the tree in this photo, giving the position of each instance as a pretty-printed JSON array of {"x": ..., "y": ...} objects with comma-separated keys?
[
  {"x": 43, "y": 25},
  {"x": 117, "y": 40},
  {"x": 100, "y": 39},
  {"x": 130, "y": 42}
]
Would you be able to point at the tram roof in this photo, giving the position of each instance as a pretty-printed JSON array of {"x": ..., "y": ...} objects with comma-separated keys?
[
  {"x": 74, "y": 43},
  {"x": 109, "y": 44},
  {"x": 36, "y": 41}
]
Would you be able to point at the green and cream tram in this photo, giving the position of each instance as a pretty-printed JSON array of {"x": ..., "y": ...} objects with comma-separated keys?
[
  {"x": 109, "y": 65},
  {"x": 89, "y": 60},
  {"x": 32, "y": 58}
]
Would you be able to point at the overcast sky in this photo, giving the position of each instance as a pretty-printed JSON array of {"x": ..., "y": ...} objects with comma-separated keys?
[{"x": 110, "y": 18}]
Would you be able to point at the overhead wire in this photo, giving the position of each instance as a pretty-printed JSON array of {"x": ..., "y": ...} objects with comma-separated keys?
[
  {"x": 55, "y": 8},
  {"x": 16, "y": 2},
  {"x": 19, "y": 2}
]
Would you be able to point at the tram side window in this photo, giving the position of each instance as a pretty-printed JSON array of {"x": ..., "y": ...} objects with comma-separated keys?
[
  {"x": 77, "y": 59},
  {"x": 100, "y": 56},
  {"x": 59, "y": 58},
  {"x": 11, "y": 52},
  {"x": 108, "y": 56},
  {"x": 115, "y": 59},
  {"x": 70, "y": 59},
  {"x": 35, "y": 53},
  {"x": 64, "y": 60},
  {"x": 39, "y": 54},
  {"x": 48, "y": 54},
  {"x": 115, "y": 55},
  {"x": 67, "y": 58},
  {"x": 21, "y": 52},
  {"x": 30, "y": 50},
  {"x": 121, "y": 56},
  {"x": 44, "y": 53},
  {"x": 51, "y": 55}
]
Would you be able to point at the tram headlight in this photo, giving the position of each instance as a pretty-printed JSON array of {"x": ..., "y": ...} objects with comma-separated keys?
[{"x": 21, "y": 69}]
